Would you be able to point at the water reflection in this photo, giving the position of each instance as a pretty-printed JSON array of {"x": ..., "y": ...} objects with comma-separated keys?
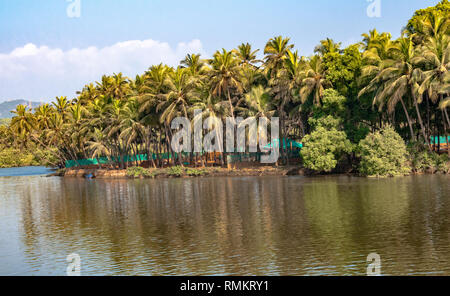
[{"x": 225, "y": 226}]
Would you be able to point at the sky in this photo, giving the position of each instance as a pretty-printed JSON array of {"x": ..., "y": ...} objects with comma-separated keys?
[{"x": 54, "y": 47}]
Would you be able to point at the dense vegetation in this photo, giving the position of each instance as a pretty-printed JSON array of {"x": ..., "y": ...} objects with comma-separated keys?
[
  {"x": 360, "y": 89},
  {"x": 383, "y": 153}
]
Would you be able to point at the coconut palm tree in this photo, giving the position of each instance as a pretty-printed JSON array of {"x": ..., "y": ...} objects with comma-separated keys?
[
  {"x": 225, "y": 76},
  {"x": 43, "y": 114},
  {"x": 195, "y": 65},
  {"x": 181, "y": 89},
  {"x": 257, "y": 103},
  {"x": 275, "y": 53},
  {"x": 432, "y": 25},
  {"x": 246, "y": 55},
  {"x": 314, "y": 82},
  {"x": 378, "y": 57},
  {"x": 23, "y": 122},
  {"x": 400, "y": 81},
  {"x": 435, "y": 59},
  {"x": 327, "y": 46},
  {"x": 61, "y": 105}
]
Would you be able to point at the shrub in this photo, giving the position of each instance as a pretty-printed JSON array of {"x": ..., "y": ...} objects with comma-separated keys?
[
  {"x": 195, "y": 172},
  {"x": 423, "y": 161},
  {"x": 10, "y": 157},
  {"x": 138, "y": 172},
  {"x": 325, "y": 146},
  {"x": 383, "y": 154},
  {"x": 176, "y": 171}
]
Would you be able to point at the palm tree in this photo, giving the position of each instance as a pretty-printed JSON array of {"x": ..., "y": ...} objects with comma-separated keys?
[
  {"x": 61, "y": 105},
  {"x": 181, "y": 89},
  {"x": 285, "y": 87},
  {"x": 88, "y": 94},
  {"x": 435, "y": 58},
  {"x": 327, "y": 46},
  {"x": 246, "y": 55},
  {"x": 315, "y": 80},
  {"x": 194, "y": 64},
  {"x": 276, "y": 50},
  {"x": 432, "y": 25},
  {"x": 152, "y": 87},
  {"x": 225, "y": 76},
  {"x": 400, "y": 80},
  {"x": 132, "y": 131},
  {"x": 23, "y": 122},
  {"x": 258, "y": 103},
  {"x": 43, "y": 114},
  {"x": 378, "y": 57},
  {"x": 98, "y": 146}
]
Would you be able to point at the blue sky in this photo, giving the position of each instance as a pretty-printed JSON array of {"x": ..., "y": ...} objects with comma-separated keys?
[{"x": 56, "y": 55}]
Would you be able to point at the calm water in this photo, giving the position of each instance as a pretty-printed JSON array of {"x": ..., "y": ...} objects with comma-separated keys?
[
  {"x": 225, "y": 226},
  {"x": 24, "y": 171}
]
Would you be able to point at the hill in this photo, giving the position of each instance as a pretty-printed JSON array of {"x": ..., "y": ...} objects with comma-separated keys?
[{"x": 7, "y": 107}]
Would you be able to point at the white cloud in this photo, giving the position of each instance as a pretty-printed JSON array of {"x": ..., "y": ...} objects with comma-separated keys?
[{"x": 41, "y": 73}]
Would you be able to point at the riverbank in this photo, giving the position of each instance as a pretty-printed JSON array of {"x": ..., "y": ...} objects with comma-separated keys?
[
  {"x": 27, "y": 157},
  {"x": 186, "y": 172},
  {"x": 180, "y": 172}
]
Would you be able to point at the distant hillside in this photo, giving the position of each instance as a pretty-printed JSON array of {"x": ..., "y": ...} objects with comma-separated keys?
[{"x": 7, "y": 107}]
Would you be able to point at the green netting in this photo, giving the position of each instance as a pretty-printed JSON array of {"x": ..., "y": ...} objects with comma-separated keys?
[
  {"x": 234, "y": 157},
  {"x": 290, "y": 143},
  {"x": 436, "y": 140},
  {"x": 103, "y": 160},
  {"x": 106, "y": 160}
]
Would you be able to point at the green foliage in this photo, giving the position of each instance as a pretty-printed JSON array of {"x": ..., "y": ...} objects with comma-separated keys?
[
  {"x": 325, "y": 146},
  {"x": 176, "y": 171},
  {"x": 195, "y": 172},
  {"x": 139, "y": 172},
  {"x": 45, "y": 157},
  {"x": 5, "y": 121},
  {"x": 333, "y": 104},
  {"x": 383, "y": 154},
  {"x": 344, "y": 68},
  {"x": 442, "y": 8},
  {"x": 328, "y": 122},
  {"x": 424, "y": 161},
  {"x": 356, "y": 133},
  {"x": 346, "y": 91},
  {"x": 179, "y": 171},
  {"x": 12, "y": 157}
]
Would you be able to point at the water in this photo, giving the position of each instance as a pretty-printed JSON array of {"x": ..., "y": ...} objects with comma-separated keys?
[
  {"x": 24, "y": 171},
  {"x": 225, "y": 226}
]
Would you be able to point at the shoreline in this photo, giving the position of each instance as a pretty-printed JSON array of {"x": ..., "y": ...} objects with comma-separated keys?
[
  {"x": 293, "y": 170},
  {"x": 187, "y": 173}
]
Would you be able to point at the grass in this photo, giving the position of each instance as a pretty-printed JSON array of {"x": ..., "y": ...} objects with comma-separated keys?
[{"x": 176, "y": 171}]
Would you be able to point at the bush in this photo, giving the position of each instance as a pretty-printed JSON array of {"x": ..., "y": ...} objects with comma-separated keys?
[
  {"x": 10, "y": 157},
  {"x": 325, "y": 146},
  {"x": 176, "y": 171},
  {"x": 383, "y": 154},
  {"x": 139, "y": 172},
  {"x": 195, "y": 172},
  {"x": 424, "y": 161},
  {"x": 32, "y": 156}
]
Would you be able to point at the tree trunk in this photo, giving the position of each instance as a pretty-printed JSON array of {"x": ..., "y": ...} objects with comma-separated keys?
[
  {"x": 408, "y": 119},
  {"x": 419, "y": 117}
]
